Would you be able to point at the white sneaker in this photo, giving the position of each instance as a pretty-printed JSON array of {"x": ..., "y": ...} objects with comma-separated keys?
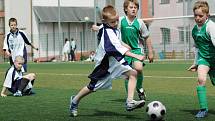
[
  {"x": 73, "y": 108},
  {"x": 17, "y": 94},
  {"x": 131, "y": 105}
]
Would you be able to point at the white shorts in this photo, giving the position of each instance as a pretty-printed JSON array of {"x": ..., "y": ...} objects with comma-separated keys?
[{"x": 116, "y": 70}]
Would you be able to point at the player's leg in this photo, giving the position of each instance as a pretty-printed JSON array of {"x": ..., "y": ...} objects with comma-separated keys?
[
  {"x": 139, "y": 87},
  {"x": 201, "y": 91},
  {"x": 75, "y": 99},
  {"x": 11, "y": 60},
  {"x": 31, "y": 77},
  {"x": 23, "y": 84},
  {"x": 25, "y": 61},
  {"x": 129, "y": 60},
  {"x": 212, "y": 75},
  {"x": 130, "y": 103}
]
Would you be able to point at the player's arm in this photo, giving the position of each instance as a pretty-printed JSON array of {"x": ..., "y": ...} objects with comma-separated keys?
[
  {"x": 7, "y": 53},
  {"x": 34, "y": 47},
  {"x": 150, "y": 49},
  {"x": 4, "y": 91},
  {"x": 5, "y": 47},
  {"x": 144, "y": 34},
  {"x": 95, "y": 28},
  {"x": 26, "y": 40},
  {"x": 194, "y": 66},
  {"x": 139, "y": 57},
  {"x": 211, "y": 31},
  {"x": 125, "y": 45}
]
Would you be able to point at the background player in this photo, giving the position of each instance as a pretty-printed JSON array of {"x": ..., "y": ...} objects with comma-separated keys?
[{"x": 15, "y": 82}]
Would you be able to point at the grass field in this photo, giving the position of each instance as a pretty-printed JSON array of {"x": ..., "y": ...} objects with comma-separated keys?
[{"x": 166, "y": 81}]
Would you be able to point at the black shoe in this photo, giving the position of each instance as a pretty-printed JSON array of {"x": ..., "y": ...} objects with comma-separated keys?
[{"x": 29, "y": 92}]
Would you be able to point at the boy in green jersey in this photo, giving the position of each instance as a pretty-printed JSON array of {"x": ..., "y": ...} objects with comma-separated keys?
[
  {"x": 204, "y": 37},
  {"x": 133, "y": 30}
]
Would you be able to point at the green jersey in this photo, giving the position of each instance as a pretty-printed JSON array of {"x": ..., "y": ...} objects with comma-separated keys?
[
  {"x": 133, "y": 31},
  {"x": 204, "y": 40}
]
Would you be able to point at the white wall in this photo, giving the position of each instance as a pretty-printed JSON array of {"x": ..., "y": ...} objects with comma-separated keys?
[
  {"x": 74, "y": 3},
  {"x": 21, "y": 10}
]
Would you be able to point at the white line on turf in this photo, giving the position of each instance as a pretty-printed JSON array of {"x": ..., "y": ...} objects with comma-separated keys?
[{"x": 67, "y": 74}]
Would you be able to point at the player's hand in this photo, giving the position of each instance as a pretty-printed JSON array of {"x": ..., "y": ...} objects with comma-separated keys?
[
  {"x": 192, "y": 68},
  {"x": 141, "y": 58},
  {"x": 95, "y": 28},
  {"x": 3, "y": 95},
  {"x": 151, "y": 57},
  {"x": 8, "y": 53}
]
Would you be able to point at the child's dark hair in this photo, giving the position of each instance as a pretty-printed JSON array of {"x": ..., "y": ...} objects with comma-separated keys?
[{"x": 12, "y": 20}]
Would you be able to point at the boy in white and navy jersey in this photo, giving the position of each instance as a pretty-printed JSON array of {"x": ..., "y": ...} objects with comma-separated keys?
[
  {"x": 15, "y": 81},
  {"x": 110, "y": 63},
  {"x": 14, "y": 43}
]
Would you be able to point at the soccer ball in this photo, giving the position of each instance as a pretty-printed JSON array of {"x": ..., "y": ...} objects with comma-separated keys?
[{"x": 156, "y": 110}]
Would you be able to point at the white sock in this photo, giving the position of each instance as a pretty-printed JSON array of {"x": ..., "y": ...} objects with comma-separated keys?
[
  {"x": 141, "y": 90},
  {"x": 19, "y": 91}
]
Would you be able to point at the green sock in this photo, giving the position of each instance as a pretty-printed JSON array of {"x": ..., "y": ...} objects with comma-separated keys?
[
  {"x": 201, "y": 92},
  {"x": 139, "y": 81}
]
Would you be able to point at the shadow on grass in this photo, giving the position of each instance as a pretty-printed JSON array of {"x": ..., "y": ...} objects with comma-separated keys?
[
  {"x": 118, "y": 100},
  {"x": 193, "y": 112},
  {"x": 127, "y": 115}
]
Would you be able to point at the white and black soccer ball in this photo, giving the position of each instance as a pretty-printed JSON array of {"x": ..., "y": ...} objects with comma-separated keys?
[{"x": 156, "y": 110}]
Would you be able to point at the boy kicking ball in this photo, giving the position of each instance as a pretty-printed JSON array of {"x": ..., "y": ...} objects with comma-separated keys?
[{"x": 110, "y": 63}]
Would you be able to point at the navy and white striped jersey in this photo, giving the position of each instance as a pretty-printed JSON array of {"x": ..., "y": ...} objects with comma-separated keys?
[
  {"x": 15, "y": 44},
  {"x": 109, "y": 52},
  {"x": 12, "y": 75}
]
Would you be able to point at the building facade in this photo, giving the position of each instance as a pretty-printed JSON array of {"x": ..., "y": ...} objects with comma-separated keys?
[{"x": 48, "y": 22}]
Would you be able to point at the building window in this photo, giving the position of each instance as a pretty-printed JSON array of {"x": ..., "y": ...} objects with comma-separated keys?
[
  {"x": 1, "y": 25},
  {"x": 110, "y": 2},
  {"x": 180, "y": 1},
  {"x": 1, "y": 5},
  {"x": 153, "y": 9},
  {"x": 181, "y": 33},
  {"x": 165, "y": 35},
  {"x": 164, "y": 1}
]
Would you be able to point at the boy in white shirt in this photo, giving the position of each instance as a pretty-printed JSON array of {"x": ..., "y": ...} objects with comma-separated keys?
[
  {"x": 110, "y": 63},
  {"x": 16, "y": 82}
]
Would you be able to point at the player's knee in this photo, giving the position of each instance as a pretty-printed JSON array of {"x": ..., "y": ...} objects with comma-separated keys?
[
  {"x": 139, "y": 70},
  {"x": 33, "y": 75},
  {"x": 201, "y": 81},
  {"x": 30, "y": 76},
  {"x": 133, "y": 72},
  {"x": 92, "y": 85}
]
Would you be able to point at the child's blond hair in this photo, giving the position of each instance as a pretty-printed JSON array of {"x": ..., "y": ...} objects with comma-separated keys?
[
  {"x": 108, "y": 12},
  {"x": 203, "y": 5},
  {"x": 19, "y": 59},
  {"x": 126, "y": 3}
]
